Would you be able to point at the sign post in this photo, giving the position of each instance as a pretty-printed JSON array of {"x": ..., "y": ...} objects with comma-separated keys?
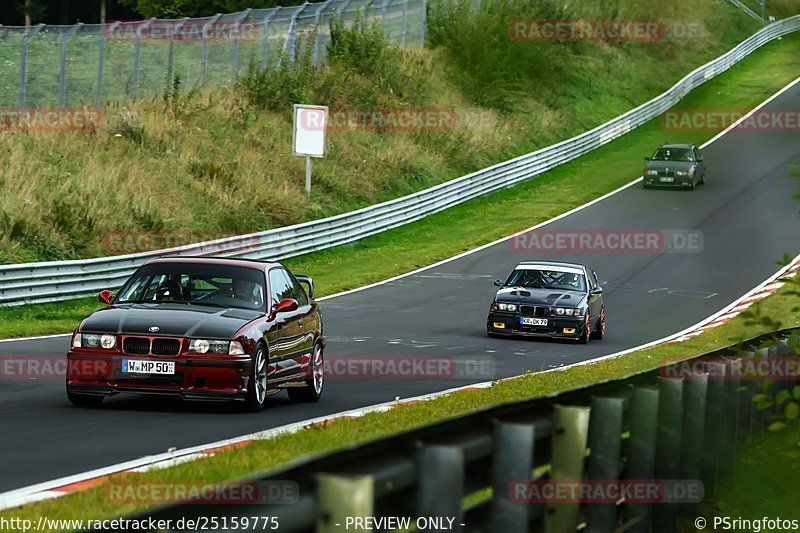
[{"x": 309, "y": 137}]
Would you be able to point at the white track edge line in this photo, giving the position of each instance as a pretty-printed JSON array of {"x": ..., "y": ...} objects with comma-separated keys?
[{"x": 20, "y": 494}]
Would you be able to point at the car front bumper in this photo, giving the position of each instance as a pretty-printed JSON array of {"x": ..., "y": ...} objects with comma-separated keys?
[
  {"x": 194, "y": 378},
  {"x": 556, "y": 328}
]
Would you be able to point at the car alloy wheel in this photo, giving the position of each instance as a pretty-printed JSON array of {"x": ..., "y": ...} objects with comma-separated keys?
[
  {"x": 600, "y": 332},
  {"x": 587, "y": 329},
  {"x": 313, "y": 389},
  {"x": 257, "y": 383}
]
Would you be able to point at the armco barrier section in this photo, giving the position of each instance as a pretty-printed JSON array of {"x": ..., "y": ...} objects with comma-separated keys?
[
  {"x": 63, "y": 280},
  {"x": 670, "y": 435}
]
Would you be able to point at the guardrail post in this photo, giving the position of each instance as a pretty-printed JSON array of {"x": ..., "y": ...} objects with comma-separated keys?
[
  {"x": 441, "y": 484},
  {"x": 204, "y": 53},
  {"x": 668, "y": 447},
  {"x": 570, "y": 433},
  {"x": 137, "y": 55},
  {"x": 107, "y": 30},
  {"x": 62, "y": 72},
  {"x": 512, "y": 460},
  {"x": 265, "y": 38},
  {"x": 237, "y": 25},
  {"x": 23, "y": 63},
  {"x": 730, "y": 428},
  {"x": 715, "y": 411},
  {"x": 343, "y": 496},
  {"x": 171, "y": 60},
  {"x": 746, "y": 407},
  {"x": 605, "y": 430},
  {"x": 641, "y": 453},
  {"x": 694, "y": 423}
]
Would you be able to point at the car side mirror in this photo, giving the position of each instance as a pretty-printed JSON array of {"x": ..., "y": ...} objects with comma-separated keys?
[
  {"x": 286, "y": 305},
  {"x": 308, "y": 282},
  {"x": 647, "y": 159},
  {"x": 106, "y": 297},
  {"x": 498, "y": 283},
  {"x": 597, "y": 290},
  {"x": 699, "y": 159}
]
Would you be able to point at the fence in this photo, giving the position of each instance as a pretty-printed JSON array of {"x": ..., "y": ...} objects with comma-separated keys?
[
  {"x": 59, "y": 66},
  {"x": 667, "y": 430},
  {"x": 62, "y": 280}
]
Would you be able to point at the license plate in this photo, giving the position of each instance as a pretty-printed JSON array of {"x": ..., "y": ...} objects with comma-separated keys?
[
  {"x": 136, "y": 366},
  {"x": 533, "y": 321},
  {"x": 666, "y": 180}
]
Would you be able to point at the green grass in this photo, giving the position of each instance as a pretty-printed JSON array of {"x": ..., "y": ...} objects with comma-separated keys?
[
  {"x": 764, "y": 482},
  {"x": 219, "y": 160},
  {"x": 465, "y": 226},
  {"x": 269, "y": 454}
]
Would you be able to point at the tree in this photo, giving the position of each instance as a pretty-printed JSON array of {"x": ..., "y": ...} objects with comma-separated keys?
[{"x": 31, "y": 10}]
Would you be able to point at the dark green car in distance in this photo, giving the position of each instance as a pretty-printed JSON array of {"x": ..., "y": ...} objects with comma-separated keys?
[{"x": 675, "y": 165}]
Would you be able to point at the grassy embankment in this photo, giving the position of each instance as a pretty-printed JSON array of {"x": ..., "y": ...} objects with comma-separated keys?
[
  {"x": 756, "y": 77},
  {"x": 491, "y": 217}
]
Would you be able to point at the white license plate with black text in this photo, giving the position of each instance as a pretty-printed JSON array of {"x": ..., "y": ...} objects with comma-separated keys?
[
  {"x": 666, "y": 180},
  {"x": 138, "y": 366},
  {"x": 534, "y": 321}
]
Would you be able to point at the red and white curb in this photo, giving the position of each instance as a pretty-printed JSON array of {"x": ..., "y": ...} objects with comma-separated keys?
[{"x": 66, "y": 485}]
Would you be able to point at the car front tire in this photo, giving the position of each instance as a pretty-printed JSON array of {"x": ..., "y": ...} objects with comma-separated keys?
[
  {"x": 313, "y": 390},
  {"x": 587, "y": 330},
  {"x": 600, "y": 331},
  {"x": 256, "y": 396}
]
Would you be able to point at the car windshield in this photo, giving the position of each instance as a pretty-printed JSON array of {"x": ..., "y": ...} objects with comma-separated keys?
[
  {"x": 196, "y": 283},
  {"x": 673, "y": 154},
  {"x": 547, "y": 279}
]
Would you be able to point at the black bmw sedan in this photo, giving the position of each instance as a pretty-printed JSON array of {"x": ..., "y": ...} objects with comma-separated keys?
[{"x": 548, "y": 299}]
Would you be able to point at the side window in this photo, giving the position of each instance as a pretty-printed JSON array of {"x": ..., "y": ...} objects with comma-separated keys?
[
  {"x": 697, "y": 154},
  {"x": 279, "y": 286},
  {"x": 298, "y": 291},
  {"x": 592, "y": 280}
]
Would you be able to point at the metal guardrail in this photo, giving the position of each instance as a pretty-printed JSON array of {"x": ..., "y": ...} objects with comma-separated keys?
[
  {"x": 51, "y": 66},
  {"x": 681, "y": 426},
  {"x": 749, "y": 11},
  {"x": 62, "y": 280}
]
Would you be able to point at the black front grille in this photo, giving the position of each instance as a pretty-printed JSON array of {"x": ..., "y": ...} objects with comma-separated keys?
[
  {"x": 166, "y": 346},
  {"x": 136, "y": 345},
  {"x": 529, "y": 310},
  {"x": 666, "y": 173}
]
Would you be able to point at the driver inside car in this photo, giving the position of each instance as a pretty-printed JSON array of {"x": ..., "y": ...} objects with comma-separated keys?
[
  {"x": 247, "y": 291},
  {"x": 169, "y": 291}
]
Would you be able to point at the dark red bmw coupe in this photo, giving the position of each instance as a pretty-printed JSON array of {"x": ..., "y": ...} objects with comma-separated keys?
[{"x": 202, "y": 328}]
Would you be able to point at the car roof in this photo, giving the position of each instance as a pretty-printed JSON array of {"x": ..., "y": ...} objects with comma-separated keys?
[
  {"x": 677, "y": 145},
  {"x": 230, "y": 261},
  {"x": 554, "y": 263}
]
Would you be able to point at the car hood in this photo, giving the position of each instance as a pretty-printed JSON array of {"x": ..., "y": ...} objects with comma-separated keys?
[
  {"x": 179, "y": 320},
  {"x": 670, "y": 165},
  {"x": 541, "y": 297}
]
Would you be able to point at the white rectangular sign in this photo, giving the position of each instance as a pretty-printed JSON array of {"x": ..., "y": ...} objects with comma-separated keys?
[{"x": 310, "y": 123}]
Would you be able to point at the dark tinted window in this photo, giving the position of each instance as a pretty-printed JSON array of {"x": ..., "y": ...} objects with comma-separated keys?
[
  {"x": 280, "y": 287},
  {"x": 231, "y": 286},
  {"x": 673, "y": 154},
  {"x": 298, "y": 291}
]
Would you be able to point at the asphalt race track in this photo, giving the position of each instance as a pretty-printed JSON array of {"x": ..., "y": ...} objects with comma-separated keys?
[{"x": 745, "y": 212}]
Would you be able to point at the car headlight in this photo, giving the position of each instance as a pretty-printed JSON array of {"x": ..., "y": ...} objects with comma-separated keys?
[
  {"x": 683, "y": 173},
  {"x": 213, "y": 346},
  {"x": 108, "y": 341},
  {"x": 651, "y": 173},
  {"x": 506, "y": 307},
  {"x": 567, "y": 311},
  {"x": 94, "y": 340}
]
